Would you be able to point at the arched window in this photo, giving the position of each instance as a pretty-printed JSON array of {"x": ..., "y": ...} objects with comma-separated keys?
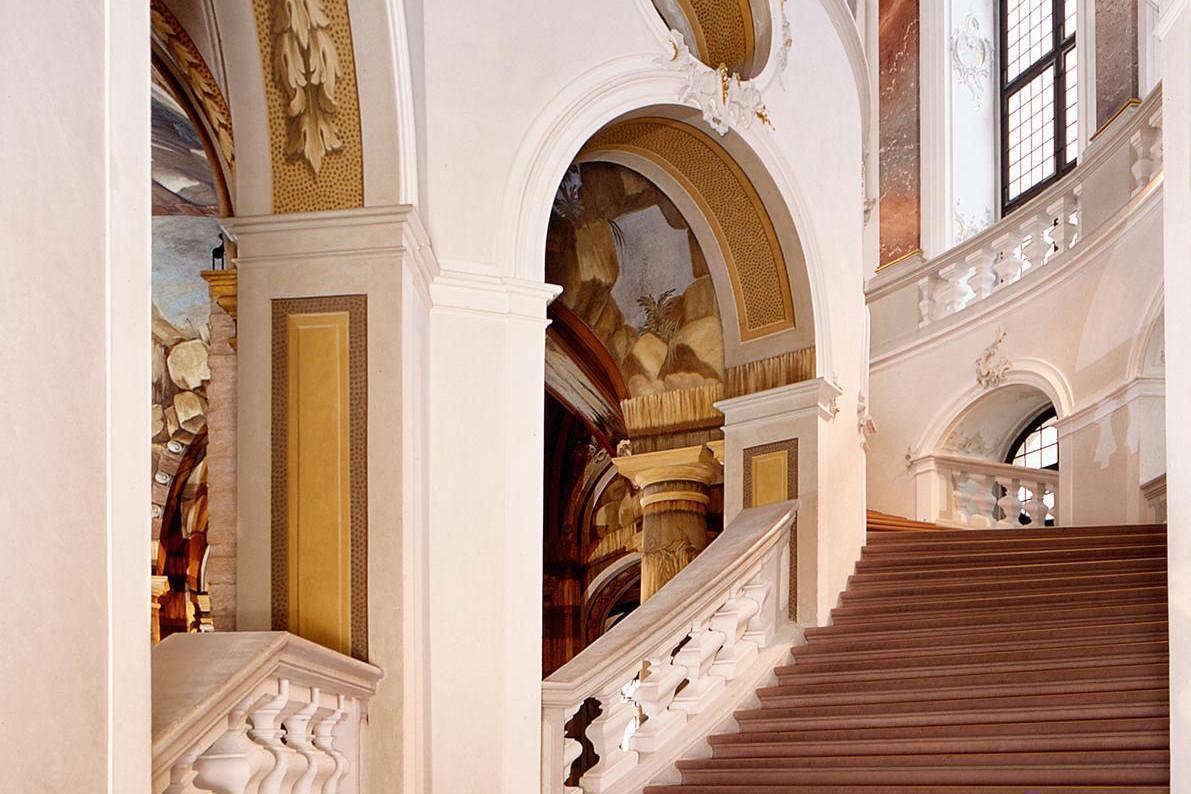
[
  {"x": 1039, "y": 96},
  {"x": 1037, "y": 447}
]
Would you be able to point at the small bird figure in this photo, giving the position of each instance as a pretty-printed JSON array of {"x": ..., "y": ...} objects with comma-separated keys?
[{"x": 217, "y": 254}]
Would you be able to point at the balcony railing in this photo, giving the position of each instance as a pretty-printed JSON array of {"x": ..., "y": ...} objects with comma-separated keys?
[
  {"x": 968, "y": 492},
  {"x": 668, "y": 660},
  {"x": 242, "y": 712},
  {"x": 1123, "y": 162}
]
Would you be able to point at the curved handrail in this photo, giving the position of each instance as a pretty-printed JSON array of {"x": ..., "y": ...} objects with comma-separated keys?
[
  {"x": 741, "y": 546},
  {"x": 670, "y": 658},
  {"x": 1109, "y": 143}
]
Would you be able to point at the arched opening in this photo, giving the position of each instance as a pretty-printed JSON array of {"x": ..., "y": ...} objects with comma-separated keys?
[
  {"x": 998, "y": 462},
  {"x": 683, "y": 284},
  {"x": 189, "y": 195}
]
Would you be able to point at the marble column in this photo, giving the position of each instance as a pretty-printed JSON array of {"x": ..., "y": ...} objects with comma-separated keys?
[{"x": 674, "y": 487}]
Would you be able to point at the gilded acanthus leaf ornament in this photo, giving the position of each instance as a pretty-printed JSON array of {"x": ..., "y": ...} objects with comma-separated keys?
[{"x": 306, "y": 65}]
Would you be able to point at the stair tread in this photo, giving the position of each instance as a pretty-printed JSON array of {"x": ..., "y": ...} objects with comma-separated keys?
[{"x": 997, "y": 661}]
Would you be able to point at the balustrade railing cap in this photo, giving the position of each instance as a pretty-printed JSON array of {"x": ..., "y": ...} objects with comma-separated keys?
[
  {"x": 895, "y": 277},
  {"x": 742, "y": 545},
  {"x": 199, "y": 678}
]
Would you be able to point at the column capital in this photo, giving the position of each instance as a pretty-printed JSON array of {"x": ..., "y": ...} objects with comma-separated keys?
[{"x": 690, "y": 464}]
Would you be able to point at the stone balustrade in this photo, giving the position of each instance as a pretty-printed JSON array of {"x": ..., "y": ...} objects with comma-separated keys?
[
  {"x": 1124, "y": 161},
  {"x": 969, "y": 492},
  {"x": 649, "y": 677},
  {"x": 260, "y": 712}
]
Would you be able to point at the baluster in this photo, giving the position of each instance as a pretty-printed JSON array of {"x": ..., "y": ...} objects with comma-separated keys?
[
  {"x": 297, "y": 738},
  {"x": 606, "y": 733},
  {"x": 696, "y": 656},
  {"x": 1156, "y": 150},
  {"x": 954, "y": 293},
  {"x": 1036, "y": 247},
  {"x": 984, "y": 275},
  {"x": 1008, "y": 261},
  {"x": 571, "y": 750},
  {"x": 761, "y": 627},
  {"x": 1061, "y": 233},
  {"x": 1037, "y": 504},
  {"x": 181, "y": 774},
  {"x": 655, "y": 693},
  {"x": 926, "y": 299},
  {"x": 1010, "y": 504},
  {"x": 227, "y": 765},
  {"x": 732, "y": 620},
  {"x": 324, "y": 739},
  {"x": 267, "y": 732},
  {"x": 1143, "y": 167},
  {"x": 984, "y": 500}
]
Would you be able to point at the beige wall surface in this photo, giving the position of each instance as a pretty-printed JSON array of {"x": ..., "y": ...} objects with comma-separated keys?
[{"x": 74, "y": 350}]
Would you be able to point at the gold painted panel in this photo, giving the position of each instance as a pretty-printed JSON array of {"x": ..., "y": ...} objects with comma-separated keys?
[
  {"x": 319, "y": 504},
  {"x": 770, "y": 473},
  {"x": 337, "y": 182},
  {"x": 769, "y": 478},
  {"x": 730, "y": 204},
  {"x": 319, "y": 493}
]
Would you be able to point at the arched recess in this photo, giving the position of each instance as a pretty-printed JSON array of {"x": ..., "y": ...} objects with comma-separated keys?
[
  {"x": 1147, "y": 357},
  {"x": 1024, "y": 374},
  {"x": 180, "y": 67},
  {"x": 624, "y": 89}
]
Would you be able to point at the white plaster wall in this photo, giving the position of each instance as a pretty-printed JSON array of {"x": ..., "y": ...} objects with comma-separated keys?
[
  {"x": 1175, "y": 28},
  {"x": 74, "y": 347},
  {"x": 1086, "y": 323},
  {"x": 511, "y": 93}
]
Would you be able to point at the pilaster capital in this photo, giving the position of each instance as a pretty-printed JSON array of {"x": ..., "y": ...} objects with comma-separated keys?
[
  {"x": 817, "y": 394},
  {"x": 696, "y": 464},
  {"x": 477, "y": 293}
]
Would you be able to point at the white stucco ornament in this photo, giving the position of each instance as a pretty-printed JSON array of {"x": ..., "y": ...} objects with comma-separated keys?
[
  {"x": 991, "y": 370},
  {"x": 971, "y": 57},
  {"x": 725, "y": 100}
]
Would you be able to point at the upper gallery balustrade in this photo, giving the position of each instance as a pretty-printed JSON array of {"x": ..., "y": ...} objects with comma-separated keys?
[{"x": 1121, "y": 167}]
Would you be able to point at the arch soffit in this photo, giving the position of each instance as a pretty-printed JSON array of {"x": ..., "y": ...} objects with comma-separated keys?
[
  {"x": 1036, "y": 373},
  {"x": 702, "y": 174},
  {"x": 193, "y": 84},
  {"x": 1147, "y": 341},
  {"x": 613, "y": 90}
]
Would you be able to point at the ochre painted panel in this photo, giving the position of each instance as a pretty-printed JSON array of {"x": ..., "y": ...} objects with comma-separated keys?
[
  {"x": 319, "y": 493},
  {"x": 769, "y": 477}
]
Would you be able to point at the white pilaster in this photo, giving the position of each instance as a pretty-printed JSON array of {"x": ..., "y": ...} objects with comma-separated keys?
[
  {"x": 382, "y": 253},
  {"x": 487, "y": 374},
  {"x": 74, "y": 347},
  {"x": 1174, "y": 27},
  {"x": 800, "y": 411}
]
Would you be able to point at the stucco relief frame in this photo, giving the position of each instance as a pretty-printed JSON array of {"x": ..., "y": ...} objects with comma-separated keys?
[{"x": 356, "y": 307}]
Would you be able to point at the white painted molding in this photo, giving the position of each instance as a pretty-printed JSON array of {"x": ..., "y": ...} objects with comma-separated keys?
[
  {"x": 1085, "y": 45},
  {"x": 1033, "y": 372},
  {"x": 606, "y": 92},
  {"x": 407, "y": 137},
  {"x": 934, "y": 96},
  {"x": 1034, "y": 286},
  {"x": 819, "y": 394},
  {"x": 1106, "y": 405},
  {"x": 1144, "y": 334},
  {"x": 1171, "y": 14},
  {"x": 845, "y": 24},
  {"x": 487, "y": 295},
  {"x": 335, "y": 238}
]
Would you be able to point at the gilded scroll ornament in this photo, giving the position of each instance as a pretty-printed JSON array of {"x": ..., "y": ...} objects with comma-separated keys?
[
  {"x": 725, "y": 100},
  {"x": 306, "y": 65}
]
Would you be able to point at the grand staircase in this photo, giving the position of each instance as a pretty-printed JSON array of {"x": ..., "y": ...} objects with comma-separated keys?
[{"x": 978, "y": 661}]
